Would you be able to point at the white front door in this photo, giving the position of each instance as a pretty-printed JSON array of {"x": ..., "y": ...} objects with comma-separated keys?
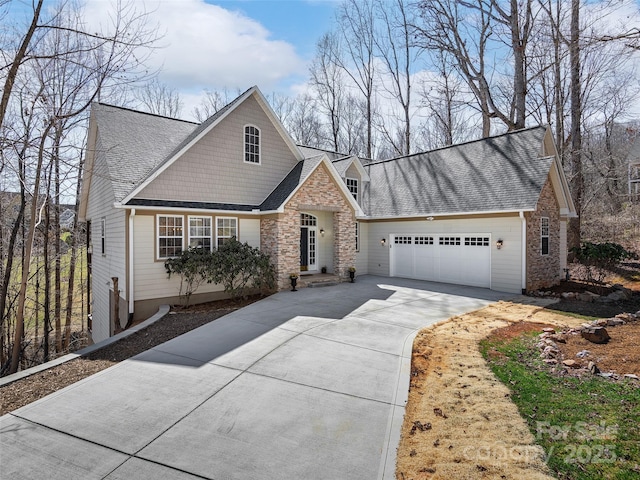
[{"x": 308, "y": 243}]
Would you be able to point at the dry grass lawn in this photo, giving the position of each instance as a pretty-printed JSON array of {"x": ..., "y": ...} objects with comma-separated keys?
[{"x": 460, "y": 421}]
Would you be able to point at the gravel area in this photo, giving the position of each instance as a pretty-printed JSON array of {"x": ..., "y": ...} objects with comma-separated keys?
[{"x": 177, "y": 322}]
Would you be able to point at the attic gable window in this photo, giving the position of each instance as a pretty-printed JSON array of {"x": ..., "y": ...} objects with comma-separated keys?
[
  {"x": 352, "y": 185},
  {"x": 251, "y": 144},
  {"x": 544, "y": 236}
]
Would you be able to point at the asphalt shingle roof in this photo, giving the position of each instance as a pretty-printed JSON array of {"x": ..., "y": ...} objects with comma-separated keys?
[
  {"x": 297, "y": 175},
  {"x": 135, "y": 143},
  {"x": 502, "y": 173}
]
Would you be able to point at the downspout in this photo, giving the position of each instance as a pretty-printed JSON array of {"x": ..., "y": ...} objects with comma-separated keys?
[
  {"x": 132, "y": 215},
  {"x": 524, "y": 252}
]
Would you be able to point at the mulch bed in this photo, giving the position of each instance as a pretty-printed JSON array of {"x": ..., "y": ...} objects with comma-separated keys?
[{"x": 179, "y": 321}]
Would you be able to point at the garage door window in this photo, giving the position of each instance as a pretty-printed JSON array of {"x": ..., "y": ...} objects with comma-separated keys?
[
  {"x": 476, "y": 241},
  {"x": 424, "y": 240},
  {"x": 403, "y": 240},
  {"x": 449, "y": 240}
]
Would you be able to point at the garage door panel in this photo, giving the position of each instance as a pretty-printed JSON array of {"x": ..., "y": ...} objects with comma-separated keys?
[
  {"x": 403, "y": 260},
  {"x": 424, "y": 252},
  {"x": 460, "y": 259}
]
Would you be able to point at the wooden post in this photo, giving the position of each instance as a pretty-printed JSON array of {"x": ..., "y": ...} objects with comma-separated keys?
[{"x": 116, "y": 306}]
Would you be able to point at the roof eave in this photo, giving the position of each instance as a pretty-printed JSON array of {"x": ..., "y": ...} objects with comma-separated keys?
[{"x": 435, "y": 216}]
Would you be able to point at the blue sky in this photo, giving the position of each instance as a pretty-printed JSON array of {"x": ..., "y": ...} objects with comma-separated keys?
[
  {"x": 299, "y": 22},
  {"x": 232, "y": 45}
]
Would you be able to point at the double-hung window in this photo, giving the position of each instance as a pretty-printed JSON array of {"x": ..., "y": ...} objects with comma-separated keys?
[
  {"x": 251, "y": 144},
  {"x": 226, "y": 229},
  {"x": 544, "y": 235},
  {"x": 170, "y": 235},
  {"x": 352, "y": 185},
  {"x": 200, "y": 233}
]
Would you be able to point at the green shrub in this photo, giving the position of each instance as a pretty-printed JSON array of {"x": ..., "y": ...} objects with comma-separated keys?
[
  {"x": 193, "y": 266},
  {"x": 599, "y": 258},
  {"x": 240, "y": 267},
  {"x": 237, "y": 266}
]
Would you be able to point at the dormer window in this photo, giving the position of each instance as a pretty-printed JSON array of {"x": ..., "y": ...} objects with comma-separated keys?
[
  {"x": 251, "y": 144},
  {"x": 352, "y": 185}
]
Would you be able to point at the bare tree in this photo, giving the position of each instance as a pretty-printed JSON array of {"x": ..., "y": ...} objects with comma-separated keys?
[
  {"x": 213, "y": 101},
  {"x": 328, "y": 82},
  {"x": 69, "y": 70},
  {"x": 159, "y": 98},
  {"x": 356, "y": 25},
  {"x": 394, "y": 44},
  {"x": 303, "y": 122}
]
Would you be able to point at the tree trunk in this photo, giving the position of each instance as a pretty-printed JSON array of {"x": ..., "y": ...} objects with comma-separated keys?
[
  {"x": 72, "y": 261},
  {"x": 19, "y": 330},
  {"x": 17, "y": 61},
  {"x": 576, "y": 119}
]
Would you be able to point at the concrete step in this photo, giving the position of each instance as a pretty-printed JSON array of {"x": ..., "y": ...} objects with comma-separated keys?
[{"x": 321, "y": 284}]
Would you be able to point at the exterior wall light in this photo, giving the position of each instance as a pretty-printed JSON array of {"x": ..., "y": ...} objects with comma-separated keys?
[
  {"x": 383, "y": 242},
  {"x": 430, "y": 219},
  {"x": 499, "y": 244},
  {"x": 322, "y": 232}
]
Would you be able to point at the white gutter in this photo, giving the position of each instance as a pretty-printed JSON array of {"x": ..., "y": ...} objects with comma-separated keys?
[
  {"x": 195, "y": 210},
  {"x": 438, "y": 215},
  {"x": 132, "y": 215},
  {"x": 524, "y": 251}
]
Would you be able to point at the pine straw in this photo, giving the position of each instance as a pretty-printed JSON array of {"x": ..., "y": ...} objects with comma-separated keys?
[{"x": 468, "y": 426}]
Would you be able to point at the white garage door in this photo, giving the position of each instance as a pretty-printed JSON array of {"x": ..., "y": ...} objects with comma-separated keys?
[{"x": 449, "y": 258}]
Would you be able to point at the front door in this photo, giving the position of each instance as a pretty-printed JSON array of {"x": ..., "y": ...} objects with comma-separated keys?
[{"x": 308, "y": 243}]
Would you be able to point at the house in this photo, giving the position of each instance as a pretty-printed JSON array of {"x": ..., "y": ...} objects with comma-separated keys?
[{"x": 490, "y": 213}]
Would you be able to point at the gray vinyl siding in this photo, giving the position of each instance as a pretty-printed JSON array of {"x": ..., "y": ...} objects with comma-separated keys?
[
  {"x": 362, "y": 256},
  {"x": 506, "y": 264},
  {"x": 214, "y": 170},
  {"x": 113, "y": 263}
]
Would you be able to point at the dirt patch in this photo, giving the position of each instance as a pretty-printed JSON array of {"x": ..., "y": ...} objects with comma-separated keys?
[
  {"x": 621, "y": 354},
  {"x": 177, "y": 322},
  {"x": 468, "y": 427}
]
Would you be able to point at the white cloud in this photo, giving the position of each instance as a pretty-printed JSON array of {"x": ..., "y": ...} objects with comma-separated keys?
[{"x": 207, "y": 46}]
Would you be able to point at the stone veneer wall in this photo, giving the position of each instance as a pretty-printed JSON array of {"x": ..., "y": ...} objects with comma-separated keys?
[
  {"x": 543, "y": 270},
  {"x": 280, "y": 234}
]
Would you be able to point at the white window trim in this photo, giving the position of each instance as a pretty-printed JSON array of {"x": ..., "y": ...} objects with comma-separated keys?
[
  {"x": 211, "y": 225},
  {"x": 158, "y": 257},
  {"x": 244, "y": 144},
  {"x": 547, "y": 236},
  {"x": 357, "y": 195},
  {"x": 237, "y": 235}
]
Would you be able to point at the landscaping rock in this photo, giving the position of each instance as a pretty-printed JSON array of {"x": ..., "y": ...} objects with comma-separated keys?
[
  {"x": 612, "y": 322},
  {"x": 627, "y": 317},
  {"x": 570, "y": 363},
  {"x": 549, "y": 330},
  {"x": 584, "y": 297},
  {"x": 595, "y": 335},
  {"x": 593, "y": 368},
  {"x": 631, "y": 376},
  {"x": 583, "y": 354},
  {"x": 558, "y": 337}
]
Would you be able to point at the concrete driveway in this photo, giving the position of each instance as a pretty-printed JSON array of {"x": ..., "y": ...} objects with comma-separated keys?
[{"x": 309, "y": 384}]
